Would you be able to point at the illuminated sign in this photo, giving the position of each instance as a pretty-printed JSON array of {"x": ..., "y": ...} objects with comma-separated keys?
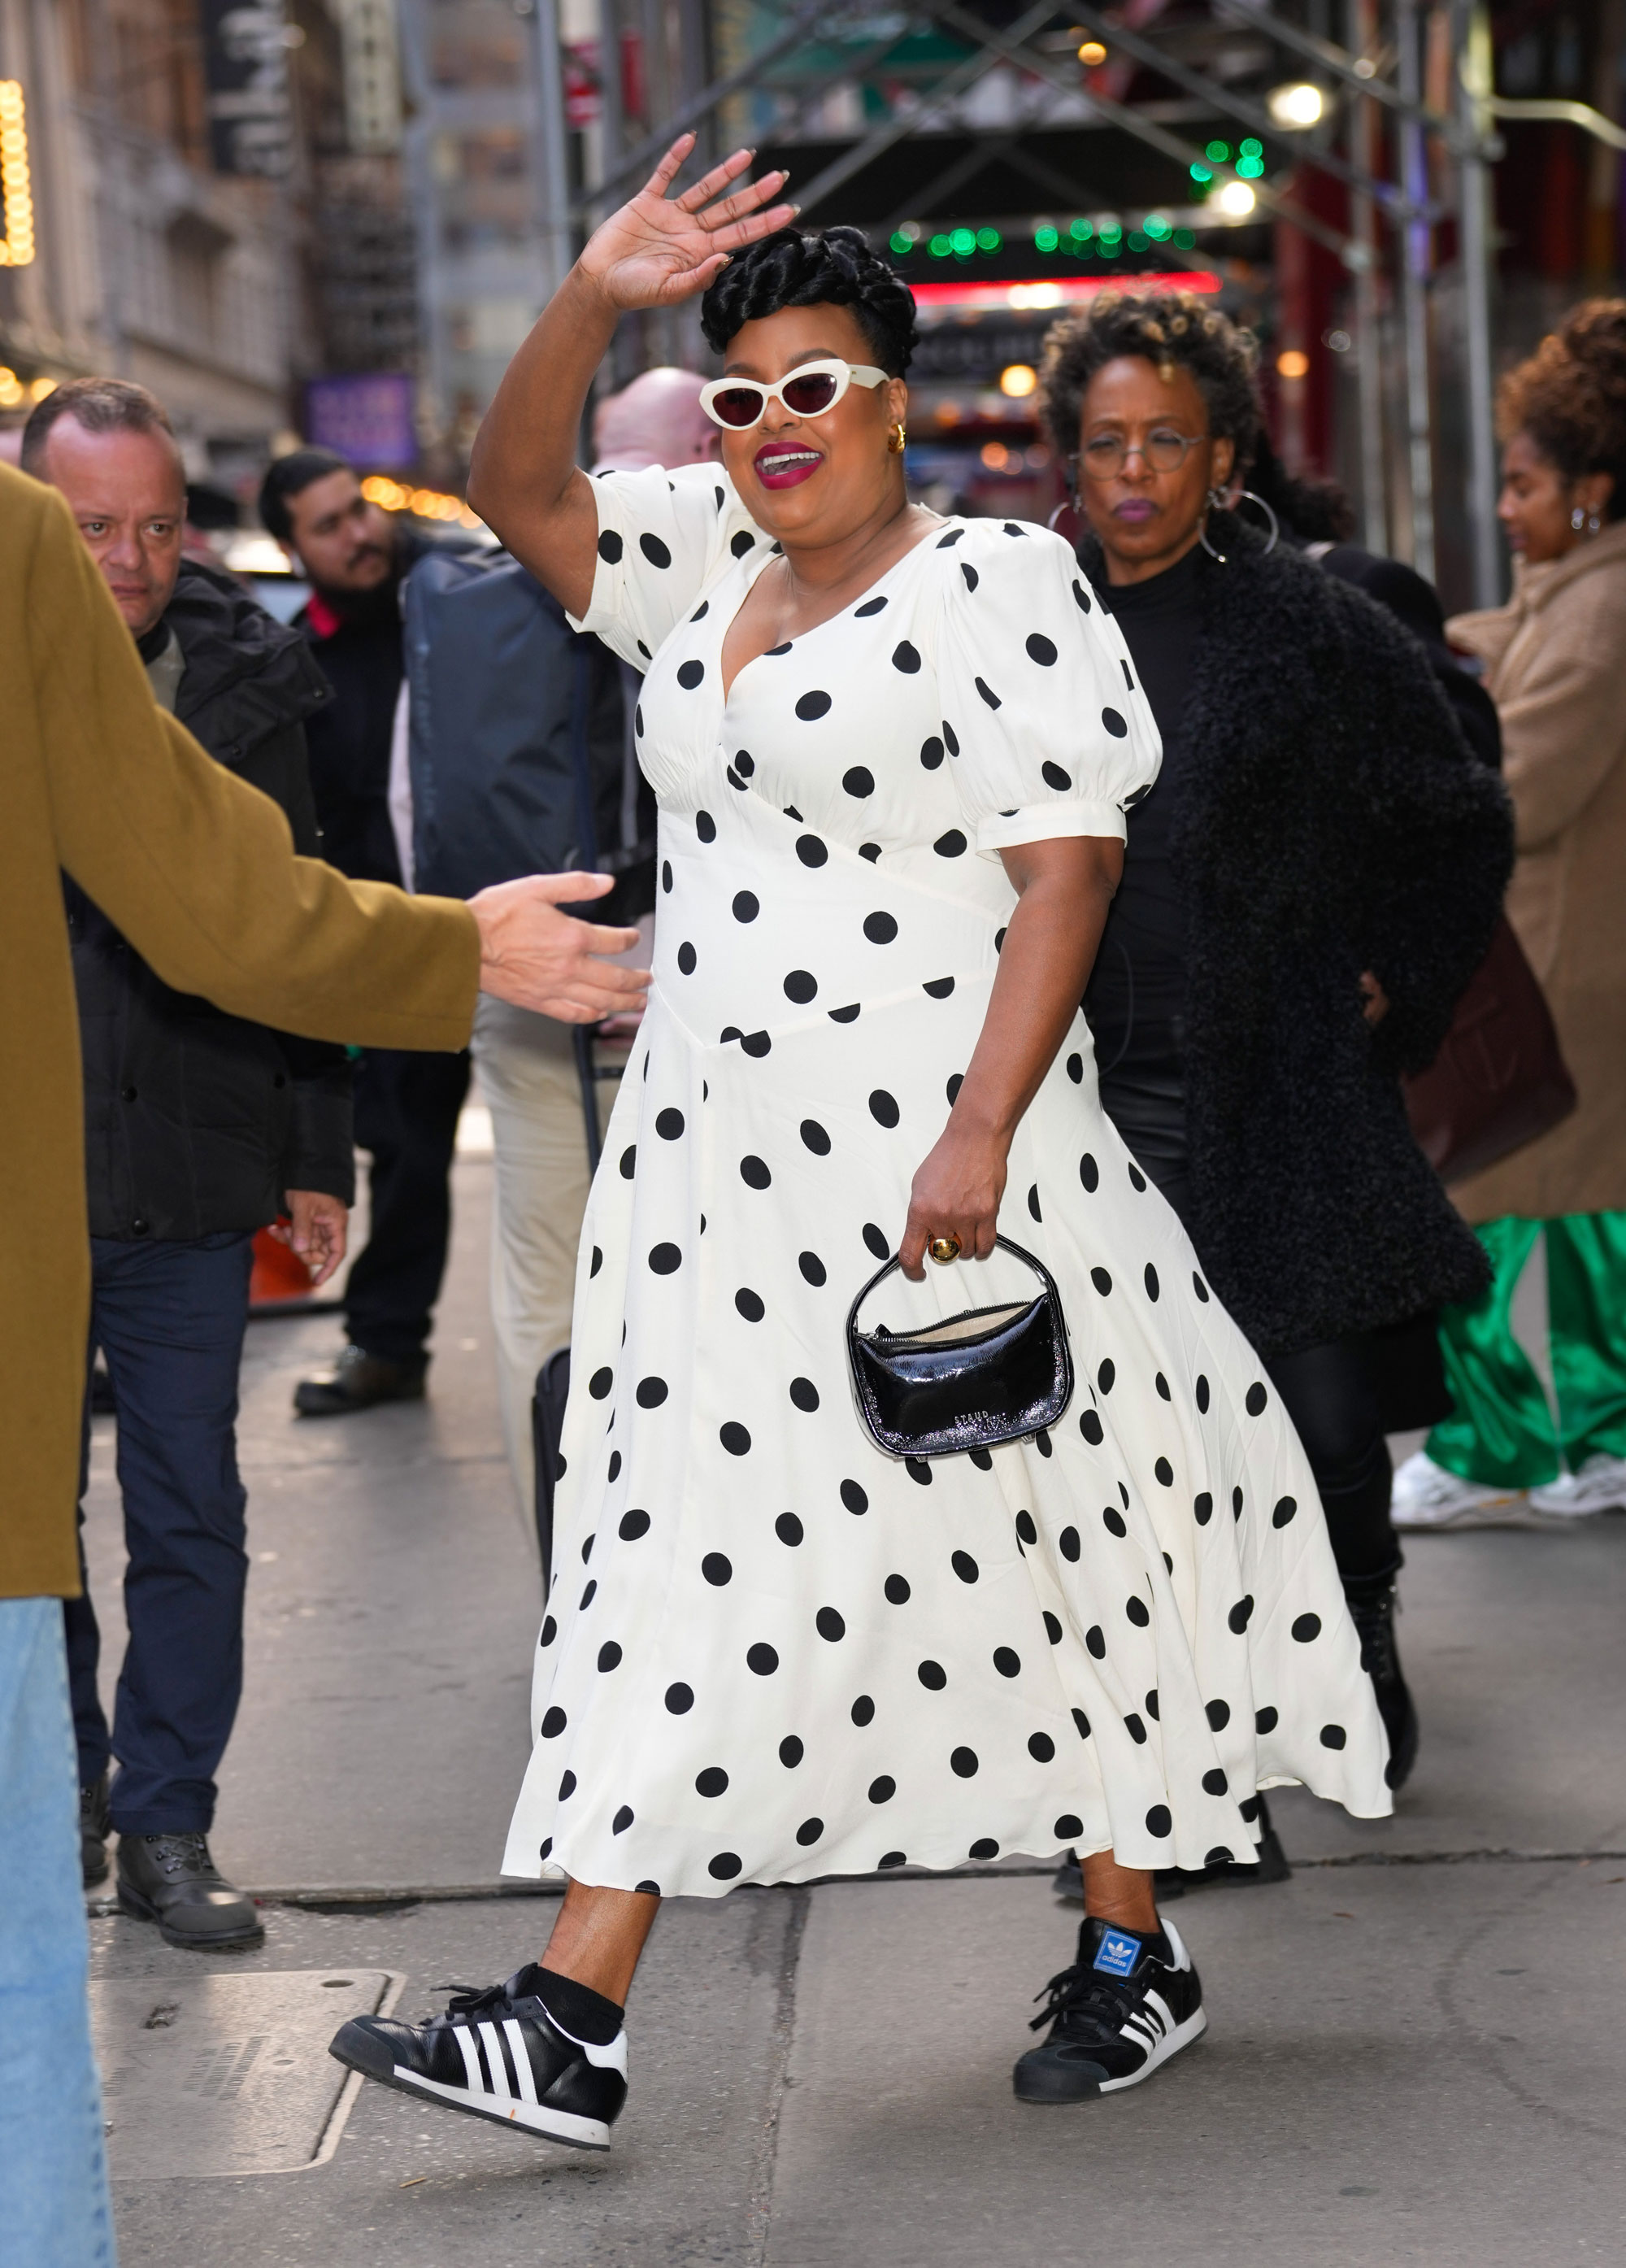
[{"x": 16, "y": 195}]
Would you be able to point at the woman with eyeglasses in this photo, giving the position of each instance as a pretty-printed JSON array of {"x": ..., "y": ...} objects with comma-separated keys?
[
  {"x": 1305, "y": 891},
  {"x": 891, "y": 754}
]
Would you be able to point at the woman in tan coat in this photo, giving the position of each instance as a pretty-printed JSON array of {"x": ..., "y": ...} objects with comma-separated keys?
[{"x": 1553, "y": 663}]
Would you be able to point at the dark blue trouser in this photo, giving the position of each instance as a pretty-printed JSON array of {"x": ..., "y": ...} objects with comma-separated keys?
[{"x": 169, "y": 1318}]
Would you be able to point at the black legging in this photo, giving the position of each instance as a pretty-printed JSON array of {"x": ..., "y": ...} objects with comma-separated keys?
[{"x": 1328, "y": 1391}]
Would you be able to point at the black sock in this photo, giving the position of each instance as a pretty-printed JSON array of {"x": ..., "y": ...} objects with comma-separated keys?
[{"x": 581, "y": 2012}]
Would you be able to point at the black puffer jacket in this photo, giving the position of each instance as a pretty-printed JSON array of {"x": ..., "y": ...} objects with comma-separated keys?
[
  {"x": 196, "y": 1122},
  {"x": 1332, "y": 820}
]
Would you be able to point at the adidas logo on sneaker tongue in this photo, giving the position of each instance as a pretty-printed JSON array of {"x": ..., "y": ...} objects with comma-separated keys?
[{"x": 1117, "y": 1953}]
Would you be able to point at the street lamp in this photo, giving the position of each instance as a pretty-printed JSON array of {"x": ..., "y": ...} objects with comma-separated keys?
[{"x": 1297, "y": 106}]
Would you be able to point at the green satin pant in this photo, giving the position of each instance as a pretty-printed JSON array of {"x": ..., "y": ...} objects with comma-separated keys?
[{"x": 1502, "y": 1432}]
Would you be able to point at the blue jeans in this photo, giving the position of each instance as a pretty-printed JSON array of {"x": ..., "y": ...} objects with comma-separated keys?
[
  {"x": 170, "y": 1319},
  {"x": 53, "y": 2206}
]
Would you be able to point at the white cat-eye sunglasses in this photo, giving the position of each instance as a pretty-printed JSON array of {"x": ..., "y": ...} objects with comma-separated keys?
[{"x": 738, "y": 403}]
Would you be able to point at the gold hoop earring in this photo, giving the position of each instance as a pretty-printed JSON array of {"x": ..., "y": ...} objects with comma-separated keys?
[{"x": 896, "y": 439}]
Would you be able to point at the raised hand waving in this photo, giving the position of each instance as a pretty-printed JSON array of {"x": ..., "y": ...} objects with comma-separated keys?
[{"x": 657, "y": 250}]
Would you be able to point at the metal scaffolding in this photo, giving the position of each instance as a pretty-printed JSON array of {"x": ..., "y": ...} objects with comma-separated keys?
[{"x": 1392, "y": 217}]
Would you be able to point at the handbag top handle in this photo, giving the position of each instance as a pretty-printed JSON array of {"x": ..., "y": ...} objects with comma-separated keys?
[{"x": 1004, "y": 1243}]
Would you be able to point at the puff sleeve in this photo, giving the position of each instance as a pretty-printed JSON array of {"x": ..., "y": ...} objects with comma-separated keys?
[
  {"x": 664, "y": 537},
  {"x": 1055, "y": 736}
]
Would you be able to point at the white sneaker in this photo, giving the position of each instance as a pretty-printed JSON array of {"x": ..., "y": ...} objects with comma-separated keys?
[
  {"x": 1599, "y": 1486},
  {"x": 1427, "y": 1496}
]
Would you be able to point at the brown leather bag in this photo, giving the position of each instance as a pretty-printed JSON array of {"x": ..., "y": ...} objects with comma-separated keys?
[{"x": 1498, "y": 1080}]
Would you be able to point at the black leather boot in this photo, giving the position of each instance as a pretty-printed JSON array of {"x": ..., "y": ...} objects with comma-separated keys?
[
  {"x": 359, "y": 1381},
  {"x": 1372, "y": 1606},
  {"x": 94, "y": 1828},
  {"x": 171, "y": 1879}
]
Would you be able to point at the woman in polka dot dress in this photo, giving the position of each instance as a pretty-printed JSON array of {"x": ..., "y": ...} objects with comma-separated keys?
[{"x": 892, "y": 755}]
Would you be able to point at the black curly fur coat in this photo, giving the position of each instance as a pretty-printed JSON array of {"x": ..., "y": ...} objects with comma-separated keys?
[{"x": 1332, "y": 820}]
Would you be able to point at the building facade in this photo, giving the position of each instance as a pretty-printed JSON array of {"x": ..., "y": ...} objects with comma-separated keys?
[{"x": 218, "y": 209}]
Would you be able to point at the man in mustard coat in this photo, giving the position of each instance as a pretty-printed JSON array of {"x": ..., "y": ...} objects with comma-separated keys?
[{"x": 198, "y": 871}]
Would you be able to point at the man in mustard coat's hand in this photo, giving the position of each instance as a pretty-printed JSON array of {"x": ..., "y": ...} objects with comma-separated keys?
[{"x": 198, "y": 871}]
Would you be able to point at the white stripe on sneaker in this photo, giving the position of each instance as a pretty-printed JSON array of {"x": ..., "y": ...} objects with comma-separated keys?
[
  {"x": 471, "y": 2058},
  {"x": 522, "y": 2060},
  {"x": 1169, "y": 2044}
]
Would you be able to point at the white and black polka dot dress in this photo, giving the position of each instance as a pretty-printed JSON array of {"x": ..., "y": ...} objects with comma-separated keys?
[{"x": 771, "y": 1651}]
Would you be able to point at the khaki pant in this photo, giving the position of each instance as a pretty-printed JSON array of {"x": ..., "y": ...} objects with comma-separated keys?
[{"x": 527, "y": 1069}]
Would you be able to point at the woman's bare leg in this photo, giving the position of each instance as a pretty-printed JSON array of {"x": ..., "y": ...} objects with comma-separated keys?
[
  {"x": 598, "y": 1936},
  {"x": 601, "y": 1933},
  {"x": 1123, "y": 1895}
]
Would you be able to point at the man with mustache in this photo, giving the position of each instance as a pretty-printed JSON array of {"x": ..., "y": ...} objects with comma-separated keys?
[{"x": 355, "y": 557}]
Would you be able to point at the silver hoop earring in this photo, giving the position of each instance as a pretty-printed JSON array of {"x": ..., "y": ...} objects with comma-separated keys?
[
  {"x": 1218, "y": 503},
  {"x": 1594, "y": 524},
  {"x": 1577, "y": 520},
  {"x": 1247, "y": 496}
]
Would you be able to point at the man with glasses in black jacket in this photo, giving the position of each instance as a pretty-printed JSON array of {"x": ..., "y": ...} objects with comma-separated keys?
[{"x": 200, "y": 1129}]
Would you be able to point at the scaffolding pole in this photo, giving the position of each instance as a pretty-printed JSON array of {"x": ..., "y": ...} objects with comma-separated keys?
[
  {"x": 1414, "y": 262},
  {"x": 548, "y": 143},
  {"x": 1471, "y": 44},
  {"x": 1368, "y": 342}
]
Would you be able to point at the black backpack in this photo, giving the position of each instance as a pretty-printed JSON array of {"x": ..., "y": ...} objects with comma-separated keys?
[{"x": 521, "y": 754}]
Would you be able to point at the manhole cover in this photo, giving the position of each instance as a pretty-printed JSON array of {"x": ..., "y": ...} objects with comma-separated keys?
[{"x": 217, "y": 2074}]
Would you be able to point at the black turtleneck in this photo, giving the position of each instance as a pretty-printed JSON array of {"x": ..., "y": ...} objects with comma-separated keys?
[{"x": 1139, "y": 978}]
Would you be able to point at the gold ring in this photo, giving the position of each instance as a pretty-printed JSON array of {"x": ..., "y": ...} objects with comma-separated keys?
[{"x": 944, "y": 1248}]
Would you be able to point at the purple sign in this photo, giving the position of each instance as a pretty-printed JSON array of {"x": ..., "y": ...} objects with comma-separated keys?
[{"x": 368, "y": 420}]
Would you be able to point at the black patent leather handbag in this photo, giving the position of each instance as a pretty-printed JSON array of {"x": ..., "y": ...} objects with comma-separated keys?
[{"x": 972, "y": 1382}]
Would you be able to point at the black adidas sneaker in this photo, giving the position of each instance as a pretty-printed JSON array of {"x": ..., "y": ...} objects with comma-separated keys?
[
  {"x": 501, "y": 2054},
  {"x": 1128, "y": 2003}
]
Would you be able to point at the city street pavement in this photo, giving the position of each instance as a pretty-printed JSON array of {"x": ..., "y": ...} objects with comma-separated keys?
[{"x": 1415, "y": 2046}]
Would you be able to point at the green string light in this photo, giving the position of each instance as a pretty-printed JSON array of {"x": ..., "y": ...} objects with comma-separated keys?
[
  {"x": 1046, "y": 238},
  {"x": 989, "y": 240},
  {"x": 901, "y": 244},
  {"x": 1202, "y": 173},
  {"x": 1251, "y": 148},
  {"x": 940, "y": 247},
  {"x": 1218, "y": 151},
  {"x": 1186, "y": 238},
  {"x": 1250, "y": 168},
  {"x": 1157, "y": 227},
  {"x": 962, "y": 240}
]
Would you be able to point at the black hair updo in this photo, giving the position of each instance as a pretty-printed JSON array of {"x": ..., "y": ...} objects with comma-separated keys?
[{"x": 834, "y": 270}]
